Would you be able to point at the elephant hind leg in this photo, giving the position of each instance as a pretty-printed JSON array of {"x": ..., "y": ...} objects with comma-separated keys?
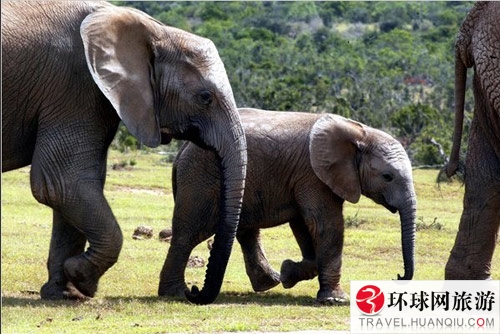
[
  {"x": 262, "y": 276},
  {"x": 474, "y": 246},
  {"x": 479, "y": 226}
]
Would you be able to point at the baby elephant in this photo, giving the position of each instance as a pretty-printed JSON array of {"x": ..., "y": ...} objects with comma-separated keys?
[{"x": 301, "y": 168}]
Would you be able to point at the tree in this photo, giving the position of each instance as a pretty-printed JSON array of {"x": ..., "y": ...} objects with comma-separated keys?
[{"x": 384, "y": 64}]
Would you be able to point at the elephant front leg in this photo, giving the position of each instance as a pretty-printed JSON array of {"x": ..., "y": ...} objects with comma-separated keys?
[
  {"x": 293, "y": 272},
  {"x": 320, "y": 235},
  {"x": 187, "y": 232},
  {"x": 330, "y": 291},
  {"x": 93, "y": 217},
  {"x": 68, "y": 172},
  {"x": 329, "y": 245},
  {"x": 83, "y": 206},
  {"x": 327, "y": 265},
  {"x": 262, "y": 276},
  {"x": 172, "y": 281},
  {"x": 66, "y": 242}
]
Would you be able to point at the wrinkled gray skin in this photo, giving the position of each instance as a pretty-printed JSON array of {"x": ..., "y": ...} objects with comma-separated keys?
[
  {"x": 478, "y": 46},
  {"x": 301, "y": 168},
  {"x": 71, "y": 72}
]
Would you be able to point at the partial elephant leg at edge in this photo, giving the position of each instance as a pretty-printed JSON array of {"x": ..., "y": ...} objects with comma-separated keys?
[
  {"x": 479, "y": 226},
  {"x": 470, "y": 259}
]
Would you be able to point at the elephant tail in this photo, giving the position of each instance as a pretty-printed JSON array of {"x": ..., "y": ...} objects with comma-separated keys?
[{"x": 460, "y": 81}]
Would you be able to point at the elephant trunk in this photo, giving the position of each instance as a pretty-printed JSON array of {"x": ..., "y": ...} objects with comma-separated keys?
[
  {"x": 408, "y": 227},
  {"x": 231, "y": 148},
  {"x": 460, "y": 80}
]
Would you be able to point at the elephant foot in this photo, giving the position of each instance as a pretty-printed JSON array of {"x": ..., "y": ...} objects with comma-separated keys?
[
  {"x": 294, "y": 272},
  {"x": 464, "y": 268},
  {"x": 53, "y": 291},
  {"x": 73, "y": 293},
  {"x": 172, "y": 289},
  {"x": 454, "y": 273},
  {"x": 58, "y": 291},
  {"x": 333, "y": 297},
  {"x": 265, "y": 281},
  {"x": 83, "y": 277}
]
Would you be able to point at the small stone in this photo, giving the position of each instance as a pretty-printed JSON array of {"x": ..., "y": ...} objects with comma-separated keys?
[
  {"x": 195, "y": 262},
  {"x": 165, "y": 235},
  {"x": 143, "y": 232}
]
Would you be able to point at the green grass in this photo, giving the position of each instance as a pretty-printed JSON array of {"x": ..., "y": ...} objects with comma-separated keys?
[{"x": 127, "y": 298}]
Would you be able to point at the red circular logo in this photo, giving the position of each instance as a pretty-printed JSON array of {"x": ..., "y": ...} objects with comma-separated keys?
[{"x": 370, "y": 299}]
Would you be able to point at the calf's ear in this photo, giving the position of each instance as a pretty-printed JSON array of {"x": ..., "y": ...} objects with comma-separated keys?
[
  {"x": 333, "y": 146},
  {"x": 117, "y": 43}
]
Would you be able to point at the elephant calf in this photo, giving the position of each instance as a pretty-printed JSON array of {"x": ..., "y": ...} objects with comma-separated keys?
[{"x": 301, "y": 168}]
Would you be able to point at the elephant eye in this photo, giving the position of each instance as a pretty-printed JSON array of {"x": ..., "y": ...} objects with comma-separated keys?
[
  {"x": 205, "y": 97},
  {"x": 387, "y": 177}
]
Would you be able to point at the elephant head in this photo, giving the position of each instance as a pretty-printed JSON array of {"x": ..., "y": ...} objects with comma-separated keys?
[
  {"x": 166, "y": 83},
  {"x": 354, "y": 159}
]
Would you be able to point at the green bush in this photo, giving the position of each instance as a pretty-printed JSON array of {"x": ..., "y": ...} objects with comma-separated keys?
[{"x": 352, "y": 58}]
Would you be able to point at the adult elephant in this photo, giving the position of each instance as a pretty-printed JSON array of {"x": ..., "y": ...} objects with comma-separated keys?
[
  {"x": 71, "y": 72},
  {"x": 478, "y": 46},
  {"x": 301, "y": 168}
]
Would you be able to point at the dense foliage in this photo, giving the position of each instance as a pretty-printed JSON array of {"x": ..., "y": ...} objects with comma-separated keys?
[{"x": 387, "y": 64}]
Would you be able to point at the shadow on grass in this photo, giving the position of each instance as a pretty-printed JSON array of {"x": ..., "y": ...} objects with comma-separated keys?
[{"x": 238, "y": 298}]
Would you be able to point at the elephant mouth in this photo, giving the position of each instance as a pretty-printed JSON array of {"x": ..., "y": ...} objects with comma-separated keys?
[
  {"x": 166, "y": 137},
  {"x": 390, "y": 208},
  {"x": 187, "y": 132},
  {"x": 182, "y": 131}
]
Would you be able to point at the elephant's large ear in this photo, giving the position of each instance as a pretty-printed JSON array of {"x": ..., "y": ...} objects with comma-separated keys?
[
  {"x": 117, "y": 44},
  {"x": 333, "y": 146}
]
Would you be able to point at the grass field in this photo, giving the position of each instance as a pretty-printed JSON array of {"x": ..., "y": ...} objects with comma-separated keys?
[{"x": 127, "y": 300}]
